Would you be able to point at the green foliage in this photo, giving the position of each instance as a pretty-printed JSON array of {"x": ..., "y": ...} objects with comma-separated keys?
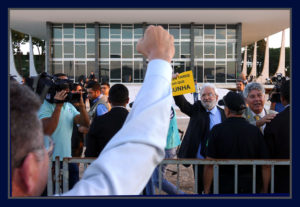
[
  {"x": 260, "y": 51},
  {"x": 274, "y": 54},
  {"x": 22, "y": 61}
]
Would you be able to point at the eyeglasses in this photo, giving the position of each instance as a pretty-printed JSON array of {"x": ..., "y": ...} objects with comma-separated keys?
[
  {"x": 210, "y": 95},
  {"x": 49, "y": 145}
]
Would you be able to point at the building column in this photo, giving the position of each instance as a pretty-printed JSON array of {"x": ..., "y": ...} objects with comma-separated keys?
[
  {"x": 48, "y": 49},
  {"x": 12, "y": 67},
  {"x": 265, "y": 71},
  {"x": 32, "y": 70},
  {"x": 239, "y": 46},
  {"x": 253, "y": 70},
  {"x": 192, "y": 49},
  {"x": 244, "y": 70},
  {"x": 281, "y": 65},
  {"x": 97, "y": 52},
  {"x": 144, "y": 59}
]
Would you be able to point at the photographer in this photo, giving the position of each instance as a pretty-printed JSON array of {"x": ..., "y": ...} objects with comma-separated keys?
[
  {"x": 58, "y": 116},
  {"x": 276, "y": 104}
]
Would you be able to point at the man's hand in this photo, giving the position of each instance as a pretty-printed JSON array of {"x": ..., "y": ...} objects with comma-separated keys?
[
  {"x": 175, "y": 75},
  {"x": 266, "y": 119},
  {"x": 61, "y": 95},
  {"x": 157, "y": 43},
  {"x": 83, "y": 129}
]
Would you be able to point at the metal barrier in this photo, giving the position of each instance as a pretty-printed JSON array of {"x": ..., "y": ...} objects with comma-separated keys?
[{"x": 64, "y": 172}]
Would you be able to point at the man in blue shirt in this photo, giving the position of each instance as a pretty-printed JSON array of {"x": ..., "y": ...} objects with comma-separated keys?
[
  {"x": 99, "y": 102},
  {"x": 204, "y": 114}
]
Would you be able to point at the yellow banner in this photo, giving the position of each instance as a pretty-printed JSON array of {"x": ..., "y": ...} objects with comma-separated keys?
[{"x": 183, "y": 84}]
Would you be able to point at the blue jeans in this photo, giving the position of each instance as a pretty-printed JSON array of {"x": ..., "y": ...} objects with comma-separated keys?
[{"x": 167, "y": 187}]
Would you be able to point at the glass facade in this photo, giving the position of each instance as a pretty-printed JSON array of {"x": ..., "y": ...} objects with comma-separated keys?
[{"x": 109, "y": 50}]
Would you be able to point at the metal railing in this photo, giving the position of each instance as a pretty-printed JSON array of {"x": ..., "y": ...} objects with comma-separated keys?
[{"x": 60, "y": 176}]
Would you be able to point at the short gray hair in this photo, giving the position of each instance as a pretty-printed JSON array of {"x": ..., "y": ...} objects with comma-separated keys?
[
  {"x": 210, "y": 85},
  {"x": 253, "y": 86},
  {"x": 26, "y": 129}
]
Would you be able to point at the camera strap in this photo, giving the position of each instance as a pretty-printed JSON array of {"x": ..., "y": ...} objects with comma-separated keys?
[
  {"x": 44, "y": 92},
  {"x": 58, "y": 101}
]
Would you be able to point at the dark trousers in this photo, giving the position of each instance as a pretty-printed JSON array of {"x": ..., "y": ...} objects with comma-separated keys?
[{"x": 200, "y": 178}]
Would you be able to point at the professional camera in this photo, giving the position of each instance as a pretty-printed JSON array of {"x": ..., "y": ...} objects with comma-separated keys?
[
  {"x": 46, "y": 86},
  {"x": 275, "y": 93}
]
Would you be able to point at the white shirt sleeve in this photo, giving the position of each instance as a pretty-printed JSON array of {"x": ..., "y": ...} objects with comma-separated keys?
[{"x": 129, "y": 159}]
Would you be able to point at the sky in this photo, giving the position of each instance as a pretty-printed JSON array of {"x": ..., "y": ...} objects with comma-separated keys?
[
  {"x": 275, "y": 39},
  {"x": 274, "y": 42}
]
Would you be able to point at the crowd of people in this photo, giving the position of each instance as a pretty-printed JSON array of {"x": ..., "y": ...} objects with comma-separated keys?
[{"x": 130, "y": 145}]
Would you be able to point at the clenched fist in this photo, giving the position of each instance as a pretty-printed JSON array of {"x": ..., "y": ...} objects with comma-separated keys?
[{"x": 157, "y": 43}]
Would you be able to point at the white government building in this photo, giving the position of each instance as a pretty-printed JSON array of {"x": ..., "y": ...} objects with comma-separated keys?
[{"x": 207, "y": 41}]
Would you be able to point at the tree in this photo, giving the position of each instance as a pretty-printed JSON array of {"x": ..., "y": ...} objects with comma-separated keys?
[
  {"x": 40, "y": 63},
  {"x": 274, "y": 60},
  {"x": 274, "y": 54},
  {"x": 260, "y": 56},
  {"x": 18, "y": 39}
]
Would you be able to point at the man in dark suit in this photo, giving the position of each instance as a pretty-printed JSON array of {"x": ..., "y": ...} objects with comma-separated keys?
[
  {"x": 236, "y": 138},
  {"x": 104, "y": 127},
  {"x": 204, "y": 114},
  {"x": 277, "y": 136}
]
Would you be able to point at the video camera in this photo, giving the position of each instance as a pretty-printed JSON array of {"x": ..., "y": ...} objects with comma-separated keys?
[
  {"x": 279, "y": 79},
  {"x": 46, "y": 86}
]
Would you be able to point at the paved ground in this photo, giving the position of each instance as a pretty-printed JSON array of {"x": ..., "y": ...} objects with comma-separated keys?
[{"x": 186, "y": 176}]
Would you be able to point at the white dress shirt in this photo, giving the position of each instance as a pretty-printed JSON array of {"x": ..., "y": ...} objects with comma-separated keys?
[{"x": 129, "y": 159}]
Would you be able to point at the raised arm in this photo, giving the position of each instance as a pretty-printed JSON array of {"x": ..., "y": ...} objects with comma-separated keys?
[
  {"x": 50, "y": 123},
  {"x": 128, "y": 160},
  {"x": 185, "y": 106}
]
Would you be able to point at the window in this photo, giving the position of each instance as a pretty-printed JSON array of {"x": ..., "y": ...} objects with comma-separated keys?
[
  {"x": 115, "y": 48},
  {"x": 220, "y": 51},
  {"x": 185, "y": 31},
  {"x": 115, "y": 31},
  {"x": 115, "y": 70},
  {"x": 79, "y": 31},
  {"x": 79, "y": 49},
  {"x": 68, "y": 49},
  {"x": 127, "y": 51},
  {"x": 138, "y": 31},
  {"x": 57, "y": 32},
  {"x": 68, "y": 31},
  {"x": 104, "y": 50},
  {"x": 174, "y": 30},
  {"x": 90, "y": 31},
  {"x": 209, "y": 31},
  {"x": 221, "y": 32},
  {"x": 198, "y": 32},
  {"x": 231, "y": 69},
  {"x": 57, "y": 49},
  {"x": 209, "y": 50},
  {"x": 104, "y": 32},
  {"x": 127, "y": 32},
  {"x": 209, "y": 71},
  {"x": 127, "y": 72},
  {"x": 220, "y": 72},
  {"x": 198, "y": 50},
  {"x": 231, "y": 31}
]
